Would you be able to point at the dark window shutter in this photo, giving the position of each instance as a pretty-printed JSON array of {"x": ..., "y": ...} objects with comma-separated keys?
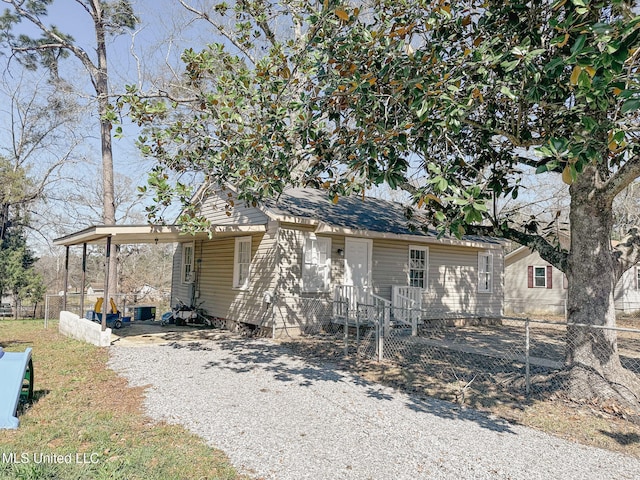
[
  {"x": 530, "y": 276},
  {"x": 549, "y": 276}
]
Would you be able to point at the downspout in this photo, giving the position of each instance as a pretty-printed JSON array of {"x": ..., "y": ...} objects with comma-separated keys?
[{"x": 197, "y": 264}]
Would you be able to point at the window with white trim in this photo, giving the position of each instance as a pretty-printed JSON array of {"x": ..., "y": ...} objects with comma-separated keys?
[
  {"x": 540, "y": 277},
  {"x": 418, "y": 266},
  {"x": 242, "y": 263},
  {"x": 637, "y": 278},
  {"x": 187, "y": 263},
  {"x": 316, "y": 264},
  {"x": 485, "y": 272}
]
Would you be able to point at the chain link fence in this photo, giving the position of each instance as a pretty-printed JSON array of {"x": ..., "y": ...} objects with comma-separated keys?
[
  {"x": 54, "y": 304},
  {"x": 628, "y": 310},
  {"x": 311, "y": 316},
  {"x": 544, "y": 309},
  {"x": 454, "y": 356}
]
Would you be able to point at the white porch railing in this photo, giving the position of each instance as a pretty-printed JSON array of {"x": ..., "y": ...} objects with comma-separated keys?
[
  {"x": 360, "y": 306},
  {"x": 407, "y": 304},
  {"x": 346, "y": 299}
]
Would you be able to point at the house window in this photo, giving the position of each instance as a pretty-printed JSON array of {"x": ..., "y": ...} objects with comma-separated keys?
[
  {"x": 637, "y": 278},
  {"x": 242, "y": 263},
  {"x": 418, "y": 266},
  {"x": 540, "y": 277},
  {"x": 485, "y": 272},
  {"x": 187, "y": 262},
  {"x": 316, "y": 264}
]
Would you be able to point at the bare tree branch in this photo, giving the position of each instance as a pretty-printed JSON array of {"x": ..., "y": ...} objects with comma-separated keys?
[
  {"x": 622, "y": 178},
  {"x": 223, "y": 31},
  {"x": 549, "y": 252},
  {"x": 627, "y": 252}
]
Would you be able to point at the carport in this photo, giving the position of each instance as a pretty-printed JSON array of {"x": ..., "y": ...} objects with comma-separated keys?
[{"x": 109, "y": 235}]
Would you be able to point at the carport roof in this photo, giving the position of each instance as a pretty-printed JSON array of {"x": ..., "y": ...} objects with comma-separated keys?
[{"x": 131, "y": 234}]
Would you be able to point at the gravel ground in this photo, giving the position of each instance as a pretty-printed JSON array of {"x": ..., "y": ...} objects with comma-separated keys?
[{"x": 279, "y": 417}]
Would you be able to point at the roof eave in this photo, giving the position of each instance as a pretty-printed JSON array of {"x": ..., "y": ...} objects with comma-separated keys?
[
  {"x": 331, "y": 229},
  {"x": 132, "y": 234}
]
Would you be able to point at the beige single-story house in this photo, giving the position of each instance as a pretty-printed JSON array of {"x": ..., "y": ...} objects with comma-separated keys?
[
  {"x": 533, "y": 286},
  {"x": 290, "y": 259}
]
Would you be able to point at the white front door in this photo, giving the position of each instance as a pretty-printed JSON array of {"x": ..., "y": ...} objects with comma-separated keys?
[{"x": 357, "y": 265}]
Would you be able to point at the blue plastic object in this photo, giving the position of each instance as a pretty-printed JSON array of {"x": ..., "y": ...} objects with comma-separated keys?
[
  {"x": 114, "y": 320},
  {"x": 15, "y": 369}
]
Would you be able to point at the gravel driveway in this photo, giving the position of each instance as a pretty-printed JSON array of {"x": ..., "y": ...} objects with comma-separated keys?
[{"x": 279, "y": 417}]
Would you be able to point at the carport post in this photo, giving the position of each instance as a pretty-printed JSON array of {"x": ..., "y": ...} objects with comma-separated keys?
[
  {"x": 105, "y": 303},
  {"x": 66, "y": 280},
  {"x": 83, "y": 278}
]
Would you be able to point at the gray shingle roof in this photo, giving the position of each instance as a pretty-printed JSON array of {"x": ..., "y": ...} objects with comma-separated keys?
[{"x": 353, "y": 212}]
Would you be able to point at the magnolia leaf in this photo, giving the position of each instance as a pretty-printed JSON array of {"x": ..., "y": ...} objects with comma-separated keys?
[
  {"x": 564, "y": 41},
  {"x": 577, "y": 70},
  {"x": 504, "y": 89},
  {"x": 567, "y": 175},
  {"x": 342, "y": 14},
  {"x": 630, "y": 105},
  {"x": 433, "y": 197}
]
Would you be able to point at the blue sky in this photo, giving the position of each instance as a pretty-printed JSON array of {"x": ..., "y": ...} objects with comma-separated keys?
[{"x": 164, "y": 32}]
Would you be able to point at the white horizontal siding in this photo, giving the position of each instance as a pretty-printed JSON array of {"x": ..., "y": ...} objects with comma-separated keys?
[
  {"x": 627, "y": 293},
  {"x": 214, "y": 278},
  {"x": 522, "y": 299},
  {"x": 179, "y": 290},
  {"x": 277, "y": 266},
  {"x": 221, "y": 209},
  {"x": 452, "y": 277},
  {"x": 294, "y": 308}
]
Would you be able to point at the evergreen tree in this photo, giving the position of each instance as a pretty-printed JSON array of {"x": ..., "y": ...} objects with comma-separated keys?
[{"x": 17, "y": 274}]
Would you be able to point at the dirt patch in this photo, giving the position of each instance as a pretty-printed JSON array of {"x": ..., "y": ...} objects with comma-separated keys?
[
  {"x": 586, "y": 423},
  {"x": 147, "y": 333}
]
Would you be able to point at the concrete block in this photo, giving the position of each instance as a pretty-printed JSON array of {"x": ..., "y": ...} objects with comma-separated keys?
[{"x": 84, "y": 330}]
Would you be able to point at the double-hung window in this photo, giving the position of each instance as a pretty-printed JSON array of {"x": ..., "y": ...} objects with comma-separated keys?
[
  {"x": 540, "y": 276},
  {"x": 187, "y": 262},
  {"x": 418, "y": 266},
  {"x": 316, "y": 264},
  {"x": 485, "y": 272},
  {"x": 242, "y": 263}
]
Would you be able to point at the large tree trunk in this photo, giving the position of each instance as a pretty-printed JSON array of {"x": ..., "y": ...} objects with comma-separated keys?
[
  {"x": 102, "y": 92},
  {"x": 592, "y": 356}
]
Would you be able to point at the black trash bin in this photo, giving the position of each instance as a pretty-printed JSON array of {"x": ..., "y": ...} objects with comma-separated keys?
[{"x": 144, "y": 312}]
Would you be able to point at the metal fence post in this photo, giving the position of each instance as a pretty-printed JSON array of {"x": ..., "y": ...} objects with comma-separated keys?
[
  {"x": 358, "y": 328},
  {"x": 379, "y": 340},
  {"x": 526, "y": 356},
  {"x": 414, "y": 322},
  {"x": 346, "y": 330},
  {"x": 46, "y": 311}
]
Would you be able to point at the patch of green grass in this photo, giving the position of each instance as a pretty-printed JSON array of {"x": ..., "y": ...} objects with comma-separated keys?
[{"x": 85, "y": 422}]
